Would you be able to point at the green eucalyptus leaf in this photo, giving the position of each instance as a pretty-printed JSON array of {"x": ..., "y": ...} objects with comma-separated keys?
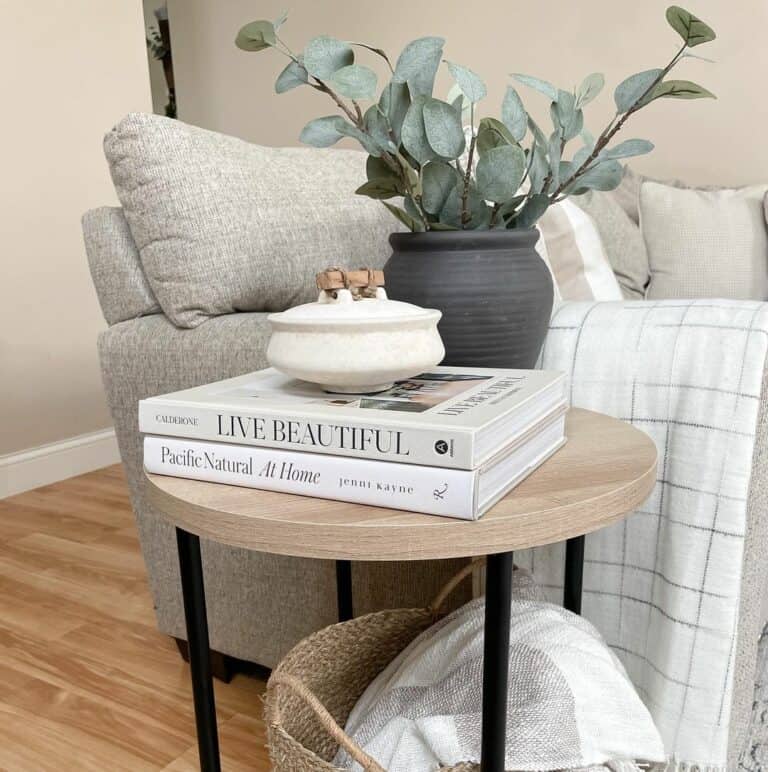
[
  {"x": 566, "y": 118},
  {"x": 460, "y": 103},
  {"x": 691, "y": 29},
  {"x": 414, "y": 133},
  {"x": 366, "y": 140},
  {"x": 379, "y": 189},
  {"x": 377, "y": 126},
  {"x": 554, "y": 151},
  {"x": 441, "y": 226},
  {"x": 492, "y": 133},
  {"x": 587, "y": 137},
  {"x": 445, "y": 133},
  {"x": 378, "y": 51},
  {"x": 590, "y": 87},
  {"x": 538, "y": 168},
  {"x": 513, "y": 114},
  {"x": 480, "y": 214},
  {"x": 394, "y": 103},
  {"x": 538, "y": 134},
  {"x": 508, "y": 208},
  {"x": 626, "y": 149},
  {"x": 410, "y": 222},
  {"x": 280, "y": 20},
  {"x": 634, "y": 88},
  {"x": 469, "y": 82},
  {"x": 691, "y": 55},
  {"x": 355, "y": 81},
  {"x": 499, "y": 172},
  {"x": 532, "y": 210},
  {"x": 418, "y": 63},
  {"x": 681, "y": 89},
  {"x": 582, "y": 154},
  {"x": 295, "y": 74},
  {"x": 603, "y": 176},
  {"x": 542, "y": 86},
  {"x": 324, "y": 55},
  {"x": 377, "y": 169},
  {"x": 322, "y": 132},
  {"x": 256, "y": 36},
  {"x": 410, "y": 207},
  {"x": 438, "y": 179}
]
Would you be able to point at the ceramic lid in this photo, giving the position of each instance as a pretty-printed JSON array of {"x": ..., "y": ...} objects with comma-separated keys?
[{"x": 344, "y": 311}]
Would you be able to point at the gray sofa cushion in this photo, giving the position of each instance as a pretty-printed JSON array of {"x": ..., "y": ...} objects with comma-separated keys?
[
  {"x": 121, "y": 285},
  {"x": 622, "y": 241},
  {"x": 223, "y": 225}
]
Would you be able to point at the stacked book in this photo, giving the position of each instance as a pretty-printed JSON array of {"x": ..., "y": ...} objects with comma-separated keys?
[{"x": 449, "y": 442}]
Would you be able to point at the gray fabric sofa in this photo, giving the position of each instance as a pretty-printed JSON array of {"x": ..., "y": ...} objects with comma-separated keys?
[{"x": 259, "y": 605}]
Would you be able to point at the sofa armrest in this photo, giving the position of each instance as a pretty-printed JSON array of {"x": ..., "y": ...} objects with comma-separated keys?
[
  {"x": 676, "y": 588},
  {"x": 113, "y": 258}
]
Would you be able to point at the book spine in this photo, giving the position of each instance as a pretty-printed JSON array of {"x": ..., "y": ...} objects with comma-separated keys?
[
  {"x": 431, "y": 490},
  {"x": 445, "y": 448}
]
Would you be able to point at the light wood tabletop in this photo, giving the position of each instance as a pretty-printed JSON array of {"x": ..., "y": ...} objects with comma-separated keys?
[{"x": 606, "y": 469}]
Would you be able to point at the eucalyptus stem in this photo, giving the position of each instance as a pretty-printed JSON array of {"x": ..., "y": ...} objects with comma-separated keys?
[
  {"x": 355, "y": 118},
  {"x": 319, "y": 85},
  {"x": 613, "y": 128}
]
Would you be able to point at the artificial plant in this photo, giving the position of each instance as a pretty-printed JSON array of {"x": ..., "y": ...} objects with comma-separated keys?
[{"x": 451, "y": 170}]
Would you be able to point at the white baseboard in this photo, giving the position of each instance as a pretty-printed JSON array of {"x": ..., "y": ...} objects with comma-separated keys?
[{"x": 48, "y": 464}]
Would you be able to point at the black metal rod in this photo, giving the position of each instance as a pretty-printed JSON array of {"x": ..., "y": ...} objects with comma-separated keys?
[
  {"x": 498, "y": 598},
  {"x": 574, "y": 574},
  {"x": 193, "y": 590},
  {"x": 344, "y": 590}
]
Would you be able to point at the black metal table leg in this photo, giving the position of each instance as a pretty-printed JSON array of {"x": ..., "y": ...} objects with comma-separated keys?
[
  {"x": 193, "y": 590},
  {"x": 344, "y": 589},
  {"x": 574, "y": 574},
  {"x": 498, "y": 598}
]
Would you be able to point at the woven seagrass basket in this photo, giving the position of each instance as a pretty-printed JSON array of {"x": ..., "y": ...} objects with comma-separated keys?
[{"x": 313, "y": 690}]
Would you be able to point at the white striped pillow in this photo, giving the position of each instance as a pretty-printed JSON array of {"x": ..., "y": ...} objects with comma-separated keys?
[{"x": 571, "y": 247}]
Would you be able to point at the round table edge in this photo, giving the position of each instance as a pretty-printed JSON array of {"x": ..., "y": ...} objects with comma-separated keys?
[{"x": 489, "y": 536}]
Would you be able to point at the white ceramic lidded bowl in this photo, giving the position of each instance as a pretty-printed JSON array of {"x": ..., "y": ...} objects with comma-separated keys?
[{"x": 355, "y": 346}]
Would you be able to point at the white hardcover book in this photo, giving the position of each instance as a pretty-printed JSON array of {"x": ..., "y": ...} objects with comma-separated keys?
[
  {"x": 428, "y": 489},
  {"x": 451, "y": 417}
]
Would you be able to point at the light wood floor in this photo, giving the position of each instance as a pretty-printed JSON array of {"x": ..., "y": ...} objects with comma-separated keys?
[{"x": 86, "y": 681}]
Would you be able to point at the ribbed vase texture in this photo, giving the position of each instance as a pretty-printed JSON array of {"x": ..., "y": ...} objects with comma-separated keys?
[{"x": 493, "y": 288}]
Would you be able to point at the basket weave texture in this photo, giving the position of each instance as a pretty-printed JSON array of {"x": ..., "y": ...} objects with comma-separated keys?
[{"x": 313, "y": 690}]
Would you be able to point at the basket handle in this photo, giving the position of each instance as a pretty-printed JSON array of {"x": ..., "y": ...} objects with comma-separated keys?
[
  {"x": 326, "y": 719},
  {"x": 468, "y": 570}
]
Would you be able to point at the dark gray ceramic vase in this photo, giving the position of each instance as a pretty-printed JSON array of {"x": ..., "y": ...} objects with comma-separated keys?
[{"x": 494, "y": 290}]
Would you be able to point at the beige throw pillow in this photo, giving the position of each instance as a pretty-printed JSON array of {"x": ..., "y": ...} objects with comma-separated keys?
[
  {"x": 572, "y": 248},
  {"x": 705, "y": 243}
]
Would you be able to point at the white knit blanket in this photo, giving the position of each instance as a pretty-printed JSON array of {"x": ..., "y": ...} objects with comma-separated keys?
[
  {"x": 663, "y": 587},
  {"x": 571, "y": 704}
]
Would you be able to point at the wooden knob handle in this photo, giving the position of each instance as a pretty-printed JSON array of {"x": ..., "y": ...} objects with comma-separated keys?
[{"x": 336, "y": 278}]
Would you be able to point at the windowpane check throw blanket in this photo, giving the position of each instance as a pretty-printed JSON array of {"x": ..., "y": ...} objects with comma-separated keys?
[{"x": 664, "y": 586}]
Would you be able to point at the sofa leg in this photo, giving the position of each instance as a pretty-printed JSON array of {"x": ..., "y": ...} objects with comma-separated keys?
[{"x": 223, "y": 666}]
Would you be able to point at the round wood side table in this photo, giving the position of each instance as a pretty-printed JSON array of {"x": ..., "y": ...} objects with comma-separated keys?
[{"x": 605, "y": 470}]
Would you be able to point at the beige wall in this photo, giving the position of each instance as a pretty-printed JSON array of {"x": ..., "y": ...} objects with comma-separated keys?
[
  {"x": 69, "y": 69},
  {"x": 222, "y": 88}
]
